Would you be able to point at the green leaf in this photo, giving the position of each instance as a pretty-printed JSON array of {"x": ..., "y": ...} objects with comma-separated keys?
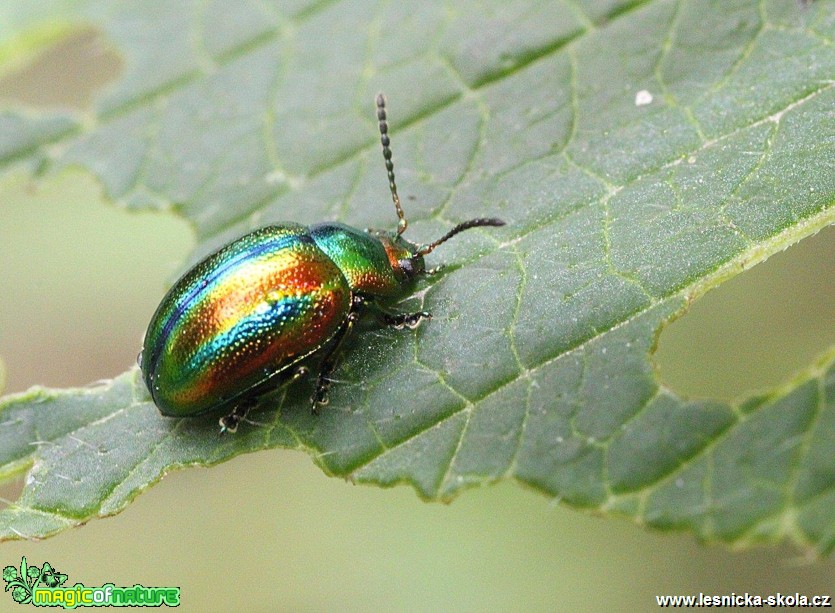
[{"x": 536, "y": 366}]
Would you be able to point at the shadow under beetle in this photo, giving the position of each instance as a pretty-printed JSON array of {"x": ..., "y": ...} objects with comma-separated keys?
[{"x": 259, "y": 305}]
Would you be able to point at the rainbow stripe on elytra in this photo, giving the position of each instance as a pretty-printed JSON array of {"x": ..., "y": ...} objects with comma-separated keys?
[{"x": 255, "y": 307}]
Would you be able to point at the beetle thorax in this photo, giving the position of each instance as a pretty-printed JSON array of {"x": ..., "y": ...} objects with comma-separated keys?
[{"x": 371, "y": 262}]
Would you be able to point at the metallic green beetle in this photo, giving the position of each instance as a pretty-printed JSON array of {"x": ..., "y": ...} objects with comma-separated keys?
[{"x": 257, "y": 307}]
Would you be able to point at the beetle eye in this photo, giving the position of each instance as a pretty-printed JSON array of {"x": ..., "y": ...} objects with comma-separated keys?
[{"x": 406, "y": 267}]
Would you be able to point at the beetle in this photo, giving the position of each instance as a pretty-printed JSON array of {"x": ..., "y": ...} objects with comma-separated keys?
[{"x": 250, "y": 312}]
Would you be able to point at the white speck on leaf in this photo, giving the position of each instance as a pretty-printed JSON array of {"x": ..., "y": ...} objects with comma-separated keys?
[{"x": 642, "y": 98}]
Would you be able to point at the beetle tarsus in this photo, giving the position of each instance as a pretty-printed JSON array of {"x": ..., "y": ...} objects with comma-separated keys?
[
  {"x": 320, "y": 397},
  {"x": 229, "y": 423},
  {"x": 398, "y": 321}
]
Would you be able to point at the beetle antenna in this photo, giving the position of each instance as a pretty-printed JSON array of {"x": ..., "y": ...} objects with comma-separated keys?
[
  {"x": 464, "y": 225},
  {"x": 384, "y": 139}
]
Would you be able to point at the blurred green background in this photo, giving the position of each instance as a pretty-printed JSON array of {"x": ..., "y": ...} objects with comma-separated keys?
[{"x": 81, "y": 279}]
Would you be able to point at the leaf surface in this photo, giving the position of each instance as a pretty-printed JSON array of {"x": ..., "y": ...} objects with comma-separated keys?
[{"x": 641, "y": 153}]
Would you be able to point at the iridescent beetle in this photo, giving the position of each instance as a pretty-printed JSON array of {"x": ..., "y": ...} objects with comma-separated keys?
[{"x": 229, "y": 327}]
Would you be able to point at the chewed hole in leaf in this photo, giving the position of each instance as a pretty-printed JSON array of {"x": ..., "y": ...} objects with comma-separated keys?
[
  {"x": 758, "y": 328},
  {"x": 67, "y": 74}
]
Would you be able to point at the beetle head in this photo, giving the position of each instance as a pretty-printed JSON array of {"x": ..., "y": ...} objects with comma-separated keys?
[{"x": 404, "y": 256}]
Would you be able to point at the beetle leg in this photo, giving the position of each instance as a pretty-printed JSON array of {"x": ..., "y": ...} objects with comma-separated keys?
[
  {"x": 398, "y": 321},
  {"x": 326, "y": 368},
  {"x": 395, "y": 320},
  {"x": 323, "y": 382},
  {"x": 229, "y": 423}
]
